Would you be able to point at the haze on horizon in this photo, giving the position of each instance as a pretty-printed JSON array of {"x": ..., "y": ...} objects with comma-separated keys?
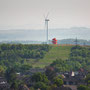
[{"x": 28, "y": 14}]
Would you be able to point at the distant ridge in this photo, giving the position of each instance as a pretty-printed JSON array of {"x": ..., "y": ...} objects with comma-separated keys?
[
  {"x": 40, "y": 35},
  {"x": 63, "y": 41}
]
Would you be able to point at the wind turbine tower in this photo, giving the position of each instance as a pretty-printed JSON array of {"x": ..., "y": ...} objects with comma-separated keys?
[{"x": 46, "y": 27}]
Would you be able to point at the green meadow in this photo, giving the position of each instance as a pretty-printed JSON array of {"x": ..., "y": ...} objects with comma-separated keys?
[{"x": 56, "y": 52}]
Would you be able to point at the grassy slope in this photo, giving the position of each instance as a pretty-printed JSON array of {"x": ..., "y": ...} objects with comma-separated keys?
[{"x": 56, "y": 52}]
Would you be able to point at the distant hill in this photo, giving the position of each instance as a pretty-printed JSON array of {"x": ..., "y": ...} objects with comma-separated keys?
[
  {"x": 63, "y": 41},
  {"x": 40, "y": 35},
  {"x": 72, "y": 41}
]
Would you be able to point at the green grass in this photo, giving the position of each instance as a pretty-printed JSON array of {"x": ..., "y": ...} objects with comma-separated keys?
[{"x": 57, "y": 52}]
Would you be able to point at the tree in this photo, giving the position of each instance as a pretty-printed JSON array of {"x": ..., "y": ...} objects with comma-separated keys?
[
  {"x": 50, "y": 73},
  {"x": 39, "y": 77},
  {"x": 1, "y": 70},
  {"x": 25, "y": 67},
  {"x": 11, "y": 75},
  {"x": 87, "y": 79},
  {"x": 58, "y": 82},
  {"x": 14, "y": 86},
  {"x": 40, "y": 85},
  {"x": 83, "y": 87}
]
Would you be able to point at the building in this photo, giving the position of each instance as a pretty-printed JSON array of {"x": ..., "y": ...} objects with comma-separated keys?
[{"x": 3, "y": 84}]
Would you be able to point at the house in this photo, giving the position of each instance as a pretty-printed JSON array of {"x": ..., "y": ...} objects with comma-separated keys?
[
  {"x": 3, "y": 84},
  {"x": 74, "y": 78}
]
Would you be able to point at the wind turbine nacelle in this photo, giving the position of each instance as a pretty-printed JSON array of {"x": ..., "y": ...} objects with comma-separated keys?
[{"x": 47, "y": 20}]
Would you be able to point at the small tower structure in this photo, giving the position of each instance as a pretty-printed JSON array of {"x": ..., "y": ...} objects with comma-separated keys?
[{"x": 54, "y": 41}]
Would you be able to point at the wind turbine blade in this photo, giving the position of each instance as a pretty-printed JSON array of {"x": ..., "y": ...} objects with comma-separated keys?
[{"x": 47, "y": 15}]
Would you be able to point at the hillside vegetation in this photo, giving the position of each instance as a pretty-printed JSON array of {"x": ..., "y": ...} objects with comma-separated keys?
[
  {"x": 63, "y": 57},
  {"x": 56, "y": 52},
  {"x": 79, "y": 58},
  {"x": 19, "y": 56}
]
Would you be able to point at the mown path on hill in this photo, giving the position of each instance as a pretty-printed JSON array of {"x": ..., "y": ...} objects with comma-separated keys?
[{"x": 56, "y": 52}]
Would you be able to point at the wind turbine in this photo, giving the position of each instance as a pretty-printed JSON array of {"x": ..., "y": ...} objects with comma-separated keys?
[{"x": 46, "y": 26}]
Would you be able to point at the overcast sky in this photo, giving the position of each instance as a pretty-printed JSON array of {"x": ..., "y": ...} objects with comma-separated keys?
[{"x": 29, "y": 14}]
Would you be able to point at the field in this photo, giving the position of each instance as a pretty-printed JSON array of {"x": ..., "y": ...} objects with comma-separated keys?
[{"x": 56, "y": 52}]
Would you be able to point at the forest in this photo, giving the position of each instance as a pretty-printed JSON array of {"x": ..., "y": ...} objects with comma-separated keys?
[{"x": 18, "y": 55}]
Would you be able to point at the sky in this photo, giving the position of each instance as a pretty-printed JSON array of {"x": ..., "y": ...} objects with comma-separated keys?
[{"x": 29, "y": 14}]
